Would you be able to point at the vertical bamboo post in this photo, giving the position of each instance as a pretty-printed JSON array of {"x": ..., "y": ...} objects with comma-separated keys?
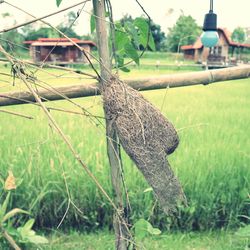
[{"x": 112, "y": 143}]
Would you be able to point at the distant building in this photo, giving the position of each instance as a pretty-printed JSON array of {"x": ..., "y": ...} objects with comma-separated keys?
[
  {"x": 226, "y": 52},
  {"x": 59, "y": 50}
]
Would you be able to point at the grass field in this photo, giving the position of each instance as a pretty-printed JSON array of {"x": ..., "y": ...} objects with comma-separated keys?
[
  {"x": 218, "y": 240},
  {"x": 212, "y": 162},
  {"x": 104, "y": 240}
]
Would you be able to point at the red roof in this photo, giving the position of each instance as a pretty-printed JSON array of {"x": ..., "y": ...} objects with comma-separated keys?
[
  {"x": 58, "y": 39},
  {"x": 58, "y": 42},
  {"x": 28, "y": 42},
  {"x": 227, "y": 35},
  {"x": 187, "y": 47}
]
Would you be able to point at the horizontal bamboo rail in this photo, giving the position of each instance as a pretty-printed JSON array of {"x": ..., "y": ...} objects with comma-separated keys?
[{"x": 149, "y": 83}]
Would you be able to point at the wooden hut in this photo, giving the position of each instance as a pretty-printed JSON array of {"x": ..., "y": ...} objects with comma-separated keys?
[
  {"x": 225, "y": 53},
  {"x": 59, "y": 50}
]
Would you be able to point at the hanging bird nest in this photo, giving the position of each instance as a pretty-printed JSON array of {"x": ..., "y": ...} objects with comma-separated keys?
[{"x": 146, "y": 136}]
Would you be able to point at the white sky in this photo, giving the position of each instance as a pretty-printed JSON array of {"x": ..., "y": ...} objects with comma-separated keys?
[{"x": 231, "y": 13}]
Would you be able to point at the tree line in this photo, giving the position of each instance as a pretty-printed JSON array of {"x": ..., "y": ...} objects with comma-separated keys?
[{"x": 185, "y": 31}]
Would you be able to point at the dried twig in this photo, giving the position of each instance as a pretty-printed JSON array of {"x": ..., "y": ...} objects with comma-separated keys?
[
  {"x": 10, "y": 240},
  {"x": 5, "y": 74},
  {"x": 74, "y": 112},
  {"x": 61, "y": 133},
  {"x": 57, "y": 109},
  {"x": 164, "y": 98},
  {"x": 86, "y": 53},
  {"x": 25, "y": 63},
  {"x": 192, "y": 126},
  {"x": 142, "y": 84},
  {"x": 52, "y": 66},
  {"x": 16, "y": 114},
  {"x": 68, "y": 70},
  {"x": 40, "y": 18},
  {"x": 15, "y": 44},
  {"x": 47, "y": 56},
  {"x": 53, "y": 90},
  {"x": 70, "y": 201}
]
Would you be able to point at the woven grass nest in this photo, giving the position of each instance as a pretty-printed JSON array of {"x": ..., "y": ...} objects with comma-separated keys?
[{"x": 146, "y": 136}]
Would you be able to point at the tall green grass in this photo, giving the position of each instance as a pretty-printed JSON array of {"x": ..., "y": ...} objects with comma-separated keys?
[
  {"x": 218, "y": 240},
  {"x": 212, "y": 161}
]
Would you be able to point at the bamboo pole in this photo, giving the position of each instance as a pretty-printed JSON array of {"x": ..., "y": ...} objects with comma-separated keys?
[
  {"x": 112, "y": 139},
  {"x": 40, "y": 18},
  {"x": 149, "y": 83}
]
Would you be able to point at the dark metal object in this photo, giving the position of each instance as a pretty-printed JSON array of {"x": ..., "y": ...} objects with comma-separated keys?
[{"x": 210, "y": 21}]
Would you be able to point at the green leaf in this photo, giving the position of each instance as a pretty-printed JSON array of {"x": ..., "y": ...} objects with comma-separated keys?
[
  {"x": 120, "y": 59},
  {"x": 121, "y": 38},
  {"x": 156, "y": 231},
  {"x": 36, "y": 239},
  {"x": 151, "y": 42},
  {"x": 13, "y": 212},
  {"x": 92, "y": 24},
  {"x": 3, "y": 208},
  {"x": 25, "y": 231},
  {"x": 143, "y": 27},
  {"x": 153, "y": 231},
  {"x": 141, "y": 24},
  {"x": 130, "y": 28},
  {"x": 124, "y": 69},
  {"x": 131, "y": 52},
  {"x": 141, "y": 229},
  {"x": 29, "y": 235},
  {"x": 58, "y": 2},
  {"x": 29, "y": 224},
  {"x": 12, "y": 231}
]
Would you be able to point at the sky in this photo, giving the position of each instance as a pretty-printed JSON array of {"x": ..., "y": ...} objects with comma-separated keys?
[{"x": 231, "y": 13}]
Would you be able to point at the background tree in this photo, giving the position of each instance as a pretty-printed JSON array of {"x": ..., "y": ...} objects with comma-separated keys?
[
  {"x": 67, "y": 27},
  {"x": 158, "y": 34},
  {"x": 239, "y": 35},
  {"x": 13, "y": 36},
  {"x": 68, "y": 31},
  {"x": 43, "y": 32},
  {"x": 185, "y": 31},
  {"x": 247, "y": 32}
]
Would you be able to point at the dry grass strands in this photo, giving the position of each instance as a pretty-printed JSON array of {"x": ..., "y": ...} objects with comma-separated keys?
[
  {"x": 10, "y": 182},
  {"x": 146, "y": 136}
]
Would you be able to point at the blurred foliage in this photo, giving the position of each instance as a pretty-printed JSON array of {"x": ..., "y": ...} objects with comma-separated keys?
[
  {"x": 239, "y": 35},
  {"x": 42, "y": 32},
  {"x": 184, "y": 32},
  {"x": 157, "y": 33},
  {"x": 13, "y": 36},
  {"x": 30, "y": 32}
]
